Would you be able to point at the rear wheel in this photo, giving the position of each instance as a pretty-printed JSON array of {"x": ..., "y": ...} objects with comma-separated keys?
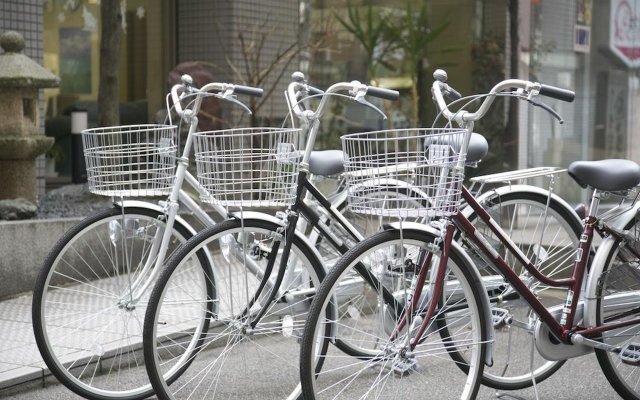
[
  {"x": 618, "y": 299},
  {"x": 548, "y": 236}
]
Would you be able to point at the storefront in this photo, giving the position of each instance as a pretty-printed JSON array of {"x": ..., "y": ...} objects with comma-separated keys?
[
  {"x": 71, "y": 44},
  {"x": 598, "y": 57},
  {"x": 560, "y": 42}
]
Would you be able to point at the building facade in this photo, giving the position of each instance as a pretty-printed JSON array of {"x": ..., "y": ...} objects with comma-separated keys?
[{"x": 559, "y": 42}]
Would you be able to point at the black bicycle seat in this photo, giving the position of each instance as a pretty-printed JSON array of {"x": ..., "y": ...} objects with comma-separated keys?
[{"x": 610, "y": 175}]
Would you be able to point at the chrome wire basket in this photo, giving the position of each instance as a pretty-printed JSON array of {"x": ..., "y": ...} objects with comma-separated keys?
[
  {"x": 249, "y": 167},
  {"x": 405, "y": 173},
  {"x": 130, "y": 160}
]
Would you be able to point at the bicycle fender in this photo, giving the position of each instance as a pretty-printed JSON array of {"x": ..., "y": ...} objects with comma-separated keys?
[
  {"x": 159, "y": 209},
  {"x": 154, "y": 207},
  {"x": 598, "y": 264},
  {"x": 484, "y": 297},
  {"x": 503, "y": 190},
  {"x": 276, "y": 220},
  {"x": 391, "y": 183}
]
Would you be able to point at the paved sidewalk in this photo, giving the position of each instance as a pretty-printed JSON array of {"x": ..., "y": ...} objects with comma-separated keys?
[{"x": 20, "y": 360}]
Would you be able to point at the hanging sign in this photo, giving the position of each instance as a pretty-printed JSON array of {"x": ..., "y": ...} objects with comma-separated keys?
[{"x": 624, "y": 31}]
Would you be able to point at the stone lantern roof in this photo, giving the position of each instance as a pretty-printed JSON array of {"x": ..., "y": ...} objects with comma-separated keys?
[{"x": 18, "y": 70}]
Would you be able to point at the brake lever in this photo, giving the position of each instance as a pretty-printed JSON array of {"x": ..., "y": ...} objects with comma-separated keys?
[
  {"x": 362, "y": 100},
  {"x": 545, "y": 107},
  {"x": 228, "y": 95}
]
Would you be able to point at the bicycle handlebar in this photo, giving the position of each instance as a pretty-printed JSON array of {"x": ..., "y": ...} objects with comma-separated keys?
[
  {"x": 557, "y": 93},
  {"x": 224, "y": 91},
  {"x": 381, "y": 93},
  {"x": 356, "y": 90},
  {"x": 526, "y": 89},
  {"x": 248, "y": 90}
]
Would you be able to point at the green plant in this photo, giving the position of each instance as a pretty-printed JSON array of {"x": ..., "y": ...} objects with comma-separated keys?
[
  {"x": 397, "y": 40},
  {"x": 488, "y": 67},
  {"x": 370, "y": 31},
  {"x": 412, "y": 34},
  {"x": 55, "y": 152}
]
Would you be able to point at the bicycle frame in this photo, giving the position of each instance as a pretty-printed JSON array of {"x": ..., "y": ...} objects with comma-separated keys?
[{"x": 565, "y": 328}]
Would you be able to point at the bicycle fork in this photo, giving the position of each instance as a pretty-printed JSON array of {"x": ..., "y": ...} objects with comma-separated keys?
[
  {"x": 287, "y": 231},
  {"x": 416, "y": 327}
]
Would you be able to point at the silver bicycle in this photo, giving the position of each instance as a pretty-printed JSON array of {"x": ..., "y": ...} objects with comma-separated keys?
[{"x": 90, "y": 296}]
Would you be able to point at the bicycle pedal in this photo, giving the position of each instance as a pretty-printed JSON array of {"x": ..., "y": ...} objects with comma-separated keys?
[
  {"x": 630, "y": 354},
  {"x": 500, "y": 317},
  {"x": 405, "y": 366}
]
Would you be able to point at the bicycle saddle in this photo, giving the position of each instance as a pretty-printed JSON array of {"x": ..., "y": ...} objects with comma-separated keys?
[
  {"x": 326, "y": 162},
  {"x": 609, "y": 175}
]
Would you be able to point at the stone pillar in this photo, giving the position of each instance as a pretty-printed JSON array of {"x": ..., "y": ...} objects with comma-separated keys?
[{"x": 20, "y": 138}]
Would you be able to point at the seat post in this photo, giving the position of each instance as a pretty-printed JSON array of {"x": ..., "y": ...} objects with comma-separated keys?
[{"x": 595, "y": 203}]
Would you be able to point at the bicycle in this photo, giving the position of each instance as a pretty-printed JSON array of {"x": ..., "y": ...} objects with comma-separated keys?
[
  {"x": 428, "y": 272},
  {"x": 272, "y": 304},
  {"x": 262, "y": 315},
  {"x": 96, "y": 276},
  {"x": 84, "y": 281}
]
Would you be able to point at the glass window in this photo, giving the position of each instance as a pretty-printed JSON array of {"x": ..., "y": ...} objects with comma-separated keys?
[{"x": 72, "y": 51}]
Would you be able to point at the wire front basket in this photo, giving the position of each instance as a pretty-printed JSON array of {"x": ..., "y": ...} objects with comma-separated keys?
[
  {"x": 405, "y": 173},
  {"x": 249, "y": 167},
  {"x": 131, "y": 160}
]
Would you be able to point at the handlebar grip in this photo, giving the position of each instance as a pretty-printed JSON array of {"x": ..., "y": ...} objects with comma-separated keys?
[
  {"x": 557, "y": 93},
  {"x": 386, "y": 94},
  {"x": 251, "y": 91}
]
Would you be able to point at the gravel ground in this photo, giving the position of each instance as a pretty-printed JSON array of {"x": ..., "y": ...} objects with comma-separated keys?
[{"x": 71, "y": 201}]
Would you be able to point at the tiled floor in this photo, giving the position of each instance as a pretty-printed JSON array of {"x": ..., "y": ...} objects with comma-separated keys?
[{"x": 20, "y": 360}]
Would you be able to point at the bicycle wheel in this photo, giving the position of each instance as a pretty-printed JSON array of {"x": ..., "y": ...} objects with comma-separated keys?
[
  {"x": 617, "y": 300},
  {"x": 548, "y": 236},
  {"x": 361, "y": 311},
  {"x": 86, "y": 327},
  {"x": 218, "y": 334}
]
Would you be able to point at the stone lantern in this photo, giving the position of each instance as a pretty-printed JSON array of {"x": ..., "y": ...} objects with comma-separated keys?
[{"x": 20, "y": 138}]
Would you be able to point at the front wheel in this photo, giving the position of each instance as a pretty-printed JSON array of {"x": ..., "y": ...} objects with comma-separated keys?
[
  {"x": 358, "y": 307},
  {"x": 86, "y": 324},
  {"x": 235, "y": 341}
]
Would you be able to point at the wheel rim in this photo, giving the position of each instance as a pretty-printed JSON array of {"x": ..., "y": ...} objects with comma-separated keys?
[
  {"x": 231, "y": 348},
  {"x": 620, "y": 278},
  {"x": 90, "y": 329},
  {"x": 386, "y": 367}
]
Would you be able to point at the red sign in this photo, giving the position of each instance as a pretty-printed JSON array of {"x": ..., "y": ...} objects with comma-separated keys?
[{"x": 624, "y": 33}]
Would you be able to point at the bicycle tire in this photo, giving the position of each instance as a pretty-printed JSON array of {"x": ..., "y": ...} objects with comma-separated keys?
[
  {"x": 76, "y": 279},
  {"x": 364, "y": 319},
  {"x": 565, "y": 228},
  {"x": 620, "y": 275},
  {"x": 230, "y": 345}
]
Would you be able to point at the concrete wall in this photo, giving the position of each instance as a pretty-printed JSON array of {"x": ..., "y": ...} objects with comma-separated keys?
[{"x": 23, "y": 248}]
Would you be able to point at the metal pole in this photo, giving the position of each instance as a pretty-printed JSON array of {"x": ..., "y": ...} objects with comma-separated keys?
[{"x": 78, "y": 167}]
